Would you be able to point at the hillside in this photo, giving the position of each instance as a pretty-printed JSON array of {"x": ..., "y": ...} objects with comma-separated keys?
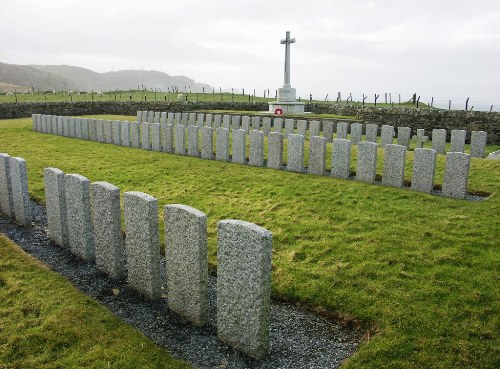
[
  {"x": 23, "y": 75},
  {"x": 66, "y": 77}
]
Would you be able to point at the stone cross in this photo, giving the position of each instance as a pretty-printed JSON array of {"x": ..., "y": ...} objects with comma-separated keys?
[
  {"x": 420, "y": 138},
  {"x": 287, "y": 41}
]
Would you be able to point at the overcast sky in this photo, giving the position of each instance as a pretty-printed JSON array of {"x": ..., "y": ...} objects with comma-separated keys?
[{"x": 441, "y": 48}]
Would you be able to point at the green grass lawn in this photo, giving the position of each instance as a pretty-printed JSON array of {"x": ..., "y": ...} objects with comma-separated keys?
[
  {"x": 45, "y": 322},
  {"x": 420, "y": 272}
]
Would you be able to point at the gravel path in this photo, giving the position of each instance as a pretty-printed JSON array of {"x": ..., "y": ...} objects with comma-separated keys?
[{"x": 299, "y": 339}]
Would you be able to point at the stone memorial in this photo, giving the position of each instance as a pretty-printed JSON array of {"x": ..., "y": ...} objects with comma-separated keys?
[
  {"x": 314, "y": 128},
  {"x": 256, "y": 150},
  {"x": 245, "y": 123},
  {"x": 184, "y": 119},
  {"x": 287, "y": 102},
  {"x": 167, "y": 138},
  {"x": 208, "y": 120},
  {"x": 116, "y": 127},
  {"x": 404, "y": 136},
  {"x": 387, "y": 135},
  {"x": 317, "y": 155},
  {"x": 151, "y": 117},
  {"x": 222, "y": 144},
  {"x": 302, "y": 127},
  {"x": 6, "y": 201},
  {"x": 295, "y": 159},
  {"x": 477, "y": 143},
  {"x": 55, "y": 204},
  {"x": 134, "y": 134},
  {"x": 341, "y": 158},
  {"x": 367, "y": 162},
  {"x": 170, "y": 118},
  {"x": 193, "y": 146},
  {"x": 420, "y": 138},
  {"x": 371, "y": 132},
  {"x": 80, "y": 232},
  {"x": 256, "y": 123},
  {"x": 328, "y": 127},
  {"x": 244, "y": 286},
  {"x": 207, "y": 143},
  {"x": 457, "y": 140},
  {"x": 177, "y": 118},
  {"x": 139, "y": 115},
  {"x": 235, "y": 122},
  {"x": 163, "y": 117},
  {"x": 266, "y": 125},
  {"x": 275, "y": 150},
  {"x": 200, "y": 119},
  {"x": 186, "y": 260},
  {"x": 456, "y": 173},
  {"x": 289, "y": 127},
  {"x": 341, "y": 130},
  {"x": 156, "y": 118},
  {"x": 356, "y": 133},
  {"x": 106, "y": 217},
  {"x": 239, "y": 146},
  {"x": 145, "y": 136},
  {"x": 99, "y": 130},
  {"x": 394, "y": 165},
  {"x": 439, "y": 140},
  {"x": 155, "y": 137},
  {"x": 125, "y": 133},
  {"x": 424, "y": 167},
  {"x": 226, "y": 121},
  {"x": 191, "y": 119},
  {"x": 217, "y": 121},
  {"x": 142, "y": 244},
  {"x": 19, "y": 188},
  {"x": 108, "y": 135},
  {"x": 180, "y": 137},
  {"x": 278, "y": 125}
]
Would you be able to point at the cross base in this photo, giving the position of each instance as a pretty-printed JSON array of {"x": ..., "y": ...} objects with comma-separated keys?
[{"x": 290, "y": 107}]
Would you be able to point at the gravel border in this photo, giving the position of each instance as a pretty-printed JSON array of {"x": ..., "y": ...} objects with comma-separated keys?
[{"x": 298, "y": 338}]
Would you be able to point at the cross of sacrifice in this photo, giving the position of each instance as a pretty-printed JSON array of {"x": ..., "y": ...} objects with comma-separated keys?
[
  {"x": 287, "y": 41},
  {"x": 420, "y": 138}
]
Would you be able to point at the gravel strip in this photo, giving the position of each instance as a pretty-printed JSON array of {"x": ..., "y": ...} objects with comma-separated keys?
[{"x": 299, "y": 339}]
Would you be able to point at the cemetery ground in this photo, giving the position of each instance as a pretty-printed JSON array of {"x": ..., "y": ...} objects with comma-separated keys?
[{"x": 419, "y": 273}]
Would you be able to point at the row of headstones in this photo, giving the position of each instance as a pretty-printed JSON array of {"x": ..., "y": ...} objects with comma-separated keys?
[
  {"x": 160, "y": 137},
  {"x": 86, "y": 218},
  {"x": 315, "y": 128}
]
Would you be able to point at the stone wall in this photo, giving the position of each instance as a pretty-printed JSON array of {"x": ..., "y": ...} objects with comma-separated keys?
[{"x": 408, "y": 117}]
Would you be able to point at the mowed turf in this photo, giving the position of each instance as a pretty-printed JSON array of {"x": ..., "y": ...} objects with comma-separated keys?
[
  {"x": 420, "y": 272},
  {"x": 45, "y": 322}
]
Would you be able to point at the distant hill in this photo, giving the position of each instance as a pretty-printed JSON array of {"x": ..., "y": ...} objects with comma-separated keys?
[
  {"x": 66, "y": 77},
  {"x": 28, "y": 77}
]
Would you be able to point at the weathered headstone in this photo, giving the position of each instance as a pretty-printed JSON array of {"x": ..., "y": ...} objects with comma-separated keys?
[
  {"x": 177, "y": 118},
  {"x": 328, "y": 130},
  {"x": 99, "y": 129},
  {"x": 314, "y": 126},
  {"x": 6, "y": 201},
  {"x": 341, "y": 130},
  {"x": 170, "y": 118},
  {"x": 116, "y": 127},
  {"x": 245, "y": 123},
  {"x": 244, "y": 286},
  {"x": 295, "y": 157},
  {"x": 155, "y": 137},
  {"x": 193, "y": 146},
  {"x": 256, "y": 123},
  {"x": 92, "y": 129},
  {"x": 141, "y": 243},
  {"x": 192, "y": 119},
  {"x": 109, "y": 248},
  {"x": 55, "y": 203},
  {"x": 457, "y": 140},
  {"x": 180, "y": 139},
  {"x": 200, "y": 119},
  {"x": 387, "y": 135},
  {"x": 145, "y": 136},
  {"x": 134, "y": 134},
  {"x": 226, "y": 121},
  {"x": 278, "y": 125},
  {"x": 80, "y": 234},
  {"x": 184, "y": 119},
  {"x": 151, "y": 117},
  {"x": 367, "y": 162},
  {"x": 235, "y": 121},
  {"x": 289, "y": 127},
  {"x": 208, "y": 120},
  {"x": 108, "y": 135},
  {"x": 477, "y": 143},
  {"x": 186, "y": 260},
  {"x": 456, "y": 174},
  {"x": 207, "y": 143},
  {"x": 156, "y": 118},
  {"x": 72, "y": 128},
  {"x": 19, "y": 186},
  {"x": 317, "y": 155},
  {"x": 139, "y": 115},
  {"x": 371, "y": 132},
  {"x": 222, "y": 144},
  {"x": 163, "y": 117},
  {"x": 404, "y": 136},
  {"x": 239, "y": 146},
  {"x": 125, "y": 133},
  {"x": 424, "y": 167},
  {"x": 217, "y": 121},
  {"x": 302, "y": 127},
  {"x": 266, "y": 125},
  {"x": 394, "y": 165},
  {"x": 356, "y": 133},
  {"x": 341, "y": 158},
  {"x": 275, "y": 150},
  {"x": 168, "y": 137},
  {"x": 256, "y": 150},
  {"x": 145, "y": 114},
  {"x": 439, "y": 140},
  {"x": 420, "y": 138}
]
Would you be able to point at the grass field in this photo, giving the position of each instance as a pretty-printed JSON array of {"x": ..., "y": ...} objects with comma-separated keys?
[
  {"x": 420, "y": 272},
  {"x": 166, "y": 96}
]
